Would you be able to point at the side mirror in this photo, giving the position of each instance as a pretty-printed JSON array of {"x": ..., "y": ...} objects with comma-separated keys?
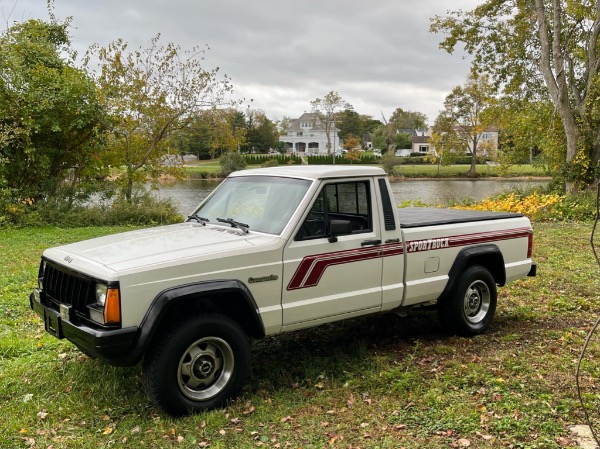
[{"x": 339, "y": 227}]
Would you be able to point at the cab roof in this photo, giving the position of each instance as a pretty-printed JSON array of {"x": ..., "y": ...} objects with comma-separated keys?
[{"x": 314, "y": 171}]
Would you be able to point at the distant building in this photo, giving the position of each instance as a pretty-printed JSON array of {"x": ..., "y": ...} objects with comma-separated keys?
[
  {"x": 421, "y": 142},
  {"x": 307, "y": 136}
]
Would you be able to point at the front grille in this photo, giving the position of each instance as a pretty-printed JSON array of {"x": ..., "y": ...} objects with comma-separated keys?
[{"x": 62, "y": 287}]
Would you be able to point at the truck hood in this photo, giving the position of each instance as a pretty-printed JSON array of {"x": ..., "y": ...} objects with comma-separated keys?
[{"x": 136, "y": 249}]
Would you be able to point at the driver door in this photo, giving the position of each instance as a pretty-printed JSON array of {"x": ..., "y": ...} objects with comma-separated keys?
[{"x": 328, "y": 277}]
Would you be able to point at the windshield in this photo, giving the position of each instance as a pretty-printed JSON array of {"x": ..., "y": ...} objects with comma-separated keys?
[{"x": 264, "y": 203}]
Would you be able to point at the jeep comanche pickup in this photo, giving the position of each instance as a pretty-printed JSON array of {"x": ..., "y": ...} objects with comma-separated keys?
[{"x": 271, "y": 250}]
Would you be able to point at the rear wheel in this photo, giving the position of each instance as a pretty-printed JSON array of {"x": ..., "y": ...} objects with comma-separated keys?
[
  {"x": 197, "y": 365},
  {"x": 470, "y": 307}
]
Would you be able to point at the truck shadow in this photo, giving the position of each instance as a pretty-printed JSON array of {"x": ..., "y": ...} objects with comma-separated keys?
[{"x": 340, "y": 349}]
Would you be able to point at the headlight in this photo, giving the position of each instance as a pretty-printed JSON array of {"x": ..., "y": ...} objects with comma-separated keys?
[
  {"x": 108, "y": 305},
  {"x": 101, "y": 290}
]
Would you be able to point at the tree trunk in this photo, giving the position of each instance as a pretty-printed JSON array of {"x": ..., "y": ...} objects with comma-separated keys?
[
  {"x": 552, "y": 66},
  {"x": 129, "y": 187},
  {"x": 572, "y": 135},
  {"x": 473, "y": 169}
]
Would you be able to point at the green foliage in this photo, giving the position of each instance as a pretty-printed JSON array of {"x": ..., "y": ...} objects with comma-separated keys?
[
  {"x": 389, "y": 161},
  {"x": 270, "y": 163},
  {"x": 152, "y": 94},
  {"x": 50, "y": 117},
  {"x": 328, "y": 160},
  {"x": 380, "y": 139},
  {"x": 402, "y": 119},
  {"x": 261, "y": 134},
  {"x": 540, "y": 53},
  {"x": 328, "y": 110},
  {"x": 403, "y": 141},
  {"x": 230, "y": 162},
  {"x": 259, "y": 159},
  {"x": 59, "y": 210},
  {"x": 466, "y": 116},
  {"x": 349, "y": 123}
]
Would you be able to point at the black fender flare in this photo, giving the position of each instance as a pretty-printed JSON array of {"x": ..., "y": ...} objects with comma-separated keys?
[
  {"x": 166, "y": 300},
  {"x": 488, "y": 256}
]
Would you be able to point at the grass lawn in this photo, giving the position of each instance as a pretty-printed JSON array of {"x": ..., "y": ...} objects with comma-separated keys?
[
  {"x": 374, "y": 382},
  {"x": 433, "y": 171},
  {"x": 413, "y": 171}
]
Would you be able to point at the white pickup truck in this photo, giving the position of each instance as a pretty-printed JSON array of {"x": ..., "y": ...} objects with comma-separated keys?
[{"x": 271, "y": 250}]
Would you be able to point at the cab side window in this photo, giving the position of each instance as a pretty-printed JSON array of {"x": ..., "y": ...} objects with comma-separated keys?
[{"x": 339, "y": 201}]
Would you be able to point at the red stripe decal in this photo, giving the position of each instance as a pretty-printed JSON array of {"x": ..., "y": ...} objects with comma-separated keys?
[{"x": 311, "y": 268}]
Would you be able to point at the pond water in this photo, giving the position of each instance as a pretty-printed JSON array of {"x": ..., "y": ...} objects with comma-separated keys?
[{"x": 188, "y": 194}]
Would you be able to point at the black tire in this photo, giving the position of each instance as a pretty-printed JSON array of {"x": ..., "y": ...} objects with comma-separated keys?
[
  {"x": 470, "y": 307},
  {"x": 197, "y": 364}
]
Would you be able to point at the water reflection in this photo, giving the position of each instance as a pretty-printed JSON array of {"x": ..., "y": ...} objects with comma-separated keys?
[{"x": 188, "y": 194}]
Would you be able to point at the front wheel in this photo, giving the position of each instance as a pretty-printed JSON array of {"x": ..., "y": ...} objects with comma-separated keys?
[
  {"x": 196, "y": 365},
  {"x": 469, "y": 308}
]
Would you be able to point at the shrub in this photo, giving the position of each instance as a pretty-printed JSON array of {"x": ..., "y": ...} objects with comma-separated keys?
[
  {"x": 144, "y": 209},
  {"x": 260, "y": 159},
  {"x": 540, "y": 206},
  {"x": 270, "y": 163},
  {"x": 230, "y": 162},
  {"x": 389, "y": 161}
]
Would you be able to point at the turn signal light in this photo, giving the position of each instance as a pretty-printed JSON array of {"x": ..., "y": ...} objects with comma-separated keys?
[{"x": 112, "y": 307}]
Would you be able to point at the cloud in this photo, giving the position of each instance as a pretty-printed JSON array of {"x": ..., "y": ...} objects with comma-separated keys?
[{"x": 378, "y": 56}]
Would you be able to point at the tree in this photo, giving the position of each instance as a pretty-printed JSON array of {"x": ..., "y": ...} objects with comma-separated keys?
[
  {"x": 380, "y": 139},
  {"x": 350, "y": 124},
  {"x": 49, "y": 112},
  {"x": 402, "y": 119},
  {"x": 151, "y": 95},
  {"x": 526, "y": 128},
  {"x": 328, "y": 109},
  {"x": 466, "y": 115},
  {"x": 262, "y": 132},
  {"x": 227, "y": 133},
  {"x": 526, "y": 44},
  {"x": 195, "y": 138},
  {"x": 393, "y": 132},
  {"x": 402, "y": 141},
  {"x": 352, "y": 146}
]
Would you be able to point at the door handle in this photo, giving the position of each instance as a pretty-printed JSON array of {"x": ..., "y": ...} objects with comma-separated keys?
[{"x": 370, "y": 243}]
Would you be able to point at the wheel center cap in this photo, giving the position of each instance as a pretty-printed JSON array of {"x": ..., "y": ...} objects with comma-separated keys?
[
  {"x": 474, "y": 301},
  {"x": 203, "y": 367}
]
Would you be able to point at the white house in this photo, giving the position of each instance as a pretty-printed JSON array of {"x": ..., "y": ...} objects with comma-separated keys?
[
  {"x": 487, "y": 144},
  {"x": 306, "y": 135}
]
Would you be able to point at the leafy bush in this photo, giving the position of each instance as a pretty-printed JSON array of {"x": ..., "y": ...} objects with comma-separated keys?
[
  {"x": 540, "y": 206},
  {"x": 270, "y": 163},
  {"x": 143, "y": 210},
  {"x": 389, "y": 161},
  {"x": 230, "y": 162}
]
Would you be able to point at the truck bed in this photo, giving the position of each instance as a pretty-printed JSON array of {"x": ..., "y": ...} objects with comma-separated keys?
[{"x": 411, "y": 217}]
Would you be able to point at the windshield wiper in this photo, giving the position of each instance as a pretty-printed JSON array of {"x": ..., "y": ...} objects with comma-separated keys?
[
  {"x": 199, "y": 219},
  {"x": 235, "y": 224}
]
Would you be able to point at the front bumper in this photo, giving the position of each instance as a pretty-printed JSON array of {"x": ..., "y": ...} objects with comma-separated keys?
[{"x": 114, "y": 346}]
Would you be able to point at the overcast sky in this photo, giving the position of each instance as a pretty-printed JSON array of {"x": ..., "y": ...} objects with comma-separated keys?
[{"x": 377, "y": 55}]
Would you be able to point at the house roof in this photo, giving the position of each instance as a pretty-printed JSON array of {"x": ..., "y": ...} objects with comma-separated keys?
[
  {"x": 311, "y": 117},
  {"x": 420, "y": 139}
]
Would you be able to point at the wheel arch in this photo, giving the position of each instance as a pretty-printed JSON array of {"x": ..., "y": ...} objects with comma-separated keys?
[
  {"x": 487, "y": 256},
  {"x": 230, "y": 298}
]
